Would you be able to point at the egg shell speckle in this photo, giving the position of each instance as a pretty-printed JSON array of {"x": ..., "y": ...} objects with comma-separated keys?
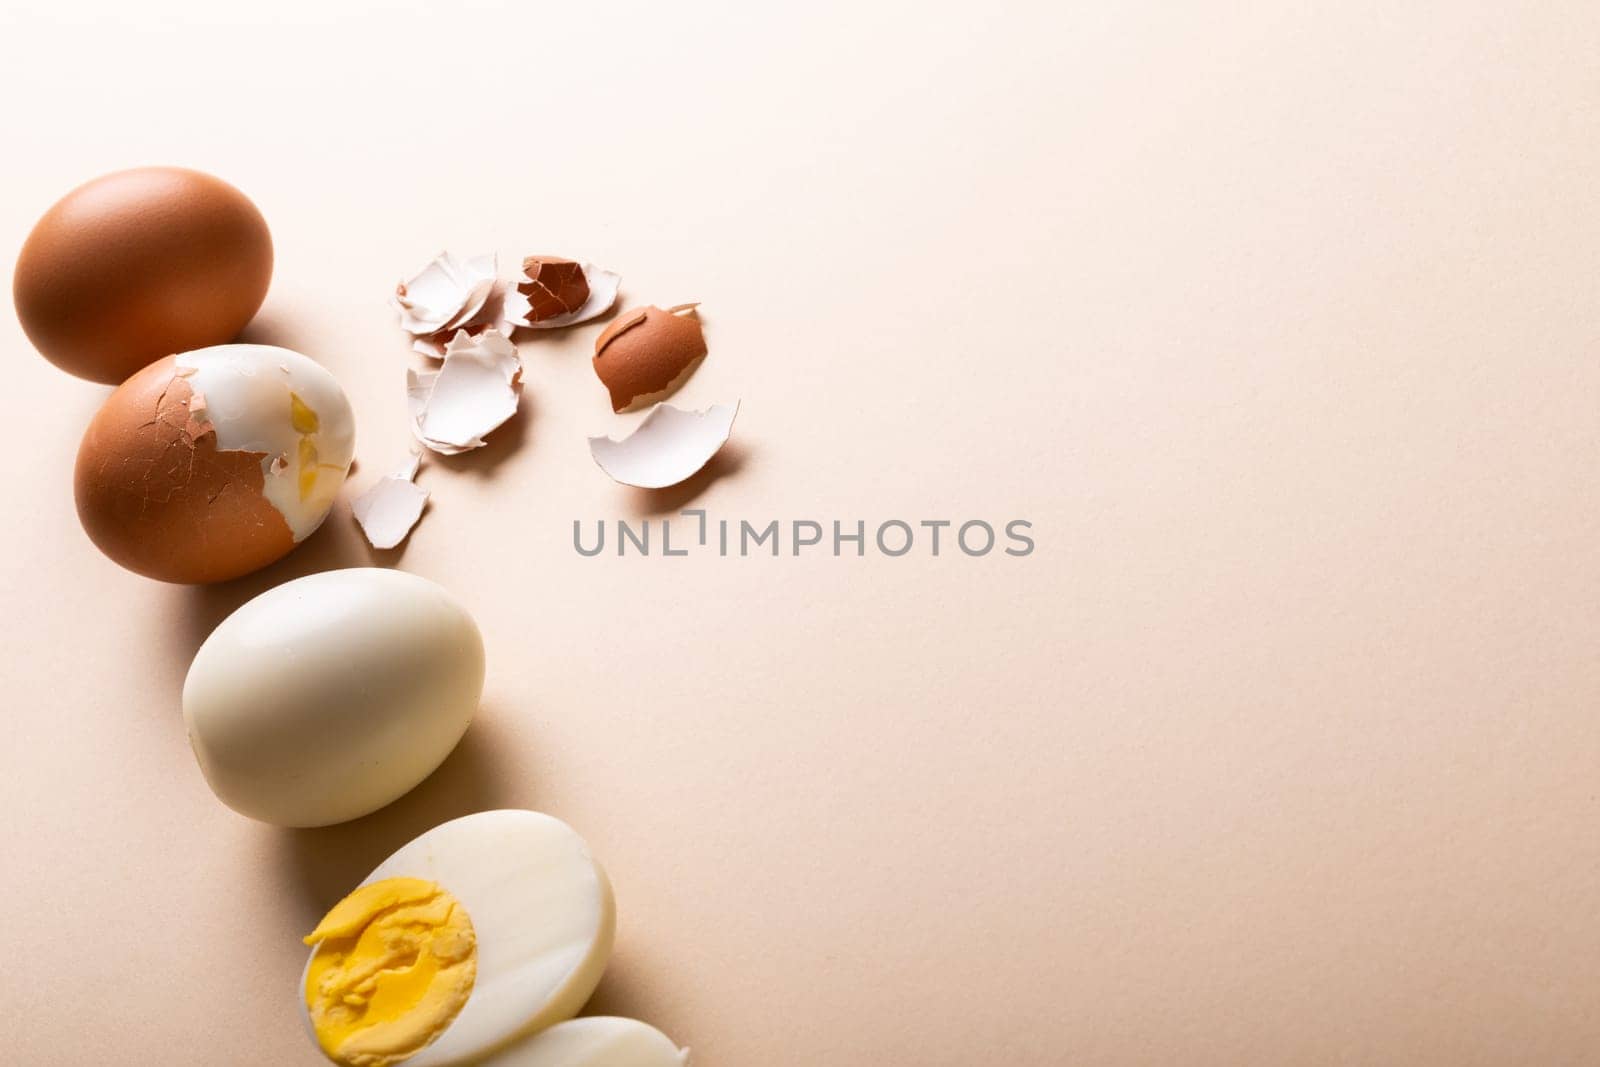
[{"x": 646, "y": 352}]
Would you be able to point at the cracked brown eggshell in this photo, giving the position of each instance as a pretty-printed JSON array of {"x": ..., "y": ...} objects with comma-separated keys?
[
  {"x": 647, "y": 352},
  {"x": 553, "y": 285},
  {"x": 166, "y": 503},
  {"x": 211, "y": 464},
  {"x": 137, "y": 265}
]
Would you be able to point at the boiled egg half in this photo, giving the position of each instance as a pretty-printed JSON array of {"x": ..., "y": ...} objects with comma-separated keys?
[{"x": 481, "y": 931}]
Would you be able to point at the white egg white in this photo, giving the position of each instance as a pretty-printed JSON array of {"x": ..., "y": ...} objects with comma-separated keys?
[
  {"x": 245, "y": 391},
  {"x": 595, "y": 1041}
]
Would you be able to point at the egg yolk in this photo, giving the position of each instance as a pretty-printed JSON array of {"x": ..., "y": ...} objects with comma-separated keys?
[
  {"x": 301, "y": 417},
  {"x": 305, "y": 422},
  {"x": 394, "y": 964}
]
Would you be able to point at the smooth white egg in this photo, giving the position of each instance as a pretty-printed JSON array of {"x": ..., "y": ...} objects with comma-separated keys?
[{"x": 329, "y": 696}]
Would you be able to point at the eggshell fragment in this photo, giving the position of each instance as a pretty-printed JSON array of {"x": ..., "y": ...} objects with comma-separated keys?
[
  {"x": 444, "y": 293},
  {"x": 392, "y": 505},
  {"x": 647, "y": 352},
  {"x": 553, "y": 285},
  {"x": 450, "y": 295},
  {"x": 475, "y": 390},
  {"x": 670, "y": 445},
  {"x": 560, "y": 292}
]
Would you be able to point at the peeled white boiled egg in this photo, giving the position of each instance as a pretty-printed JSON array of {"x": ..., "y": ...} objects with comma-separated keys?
[
  {"x": 327, "y": 697},
  {"x": 478, "y": 933}
]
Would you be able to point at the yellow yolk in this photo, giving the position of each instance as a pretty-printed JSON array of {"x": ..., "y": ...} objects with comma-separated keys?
[
  {"x": 394, "y": 964},
  {"x": 301, "y": 417},
  {"x": 305, "y": 422},
  {"x": 308, "y": 467}
]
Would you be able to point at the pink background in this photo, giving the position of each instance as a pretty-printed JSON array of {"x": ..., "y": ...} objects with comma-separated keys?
[{"x": 1282, "y": 330}]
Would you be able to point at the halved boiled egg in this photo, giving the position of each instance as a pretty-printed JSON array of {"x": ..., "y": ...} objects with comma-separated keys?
[{"x": 482, "y": 930}]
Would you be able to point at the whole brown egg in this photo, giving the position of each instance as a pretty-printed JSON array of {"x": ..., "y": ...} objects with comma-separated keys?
[{"x": 138, "y": 265}]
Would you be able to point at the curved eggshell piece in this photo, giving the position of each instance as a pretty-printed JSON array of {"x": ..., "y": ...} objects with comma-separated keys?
[
  {"x": 646, "y": 352},
  {"x": 554, "y": 286}
]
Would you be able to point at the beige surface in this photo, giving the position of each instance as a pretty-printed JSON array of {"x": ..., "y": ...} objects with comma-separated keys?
[{"x": 1282, "y": 330}]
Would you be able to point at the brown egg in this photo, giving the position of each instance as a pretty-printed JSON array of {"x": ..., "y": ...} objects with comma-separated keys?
[
  {"x": 210, "y": 464},
  {"x": 138, "y": 265},
  {"x": 647, "y": 352}
]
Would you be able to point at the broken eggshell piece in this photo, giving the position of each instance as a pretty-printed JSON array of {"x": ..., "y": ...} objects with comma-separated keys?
[
  {"x": 670, "y": 445},
  {"x": 211, "y": 464},
  {"x": 449, "y": 295},
  {"x": 445, "y": 293},
  {"x": 553, "y": 285},
  {"x": 388, "y": 509},
  {"x": 647, "y": 352},
  {"x": 475, "y": 390},
  {"x": 563, "y": 292}
]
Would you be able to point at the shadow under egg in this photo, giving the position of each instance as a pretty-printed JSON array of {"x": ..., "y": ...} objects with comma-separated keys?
[{"x": 320, "y": 866}]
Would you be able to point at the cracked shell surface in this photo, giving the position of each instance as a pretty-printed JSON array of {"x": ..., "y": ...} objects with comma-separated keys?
[
  {"x": 554, "y": 286},
  {"x": 160, "y": 495}
]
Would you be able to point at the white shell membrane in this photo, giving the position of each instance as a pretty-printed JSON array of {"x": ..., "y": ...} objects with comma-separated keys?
[{"x": 670, "y": 445}]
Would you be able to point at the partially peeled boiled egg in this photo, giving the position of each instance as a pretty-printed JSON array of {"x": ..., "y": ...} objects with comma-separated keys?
[
  {"x": 483, "y": 930},
  {"x": 210, "y": 464}
]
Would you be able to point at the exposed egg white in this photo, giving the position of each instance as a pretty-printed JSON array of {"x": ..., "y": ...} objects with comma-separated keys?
[
  {"x": 593, "y": 1041},
  {"x": 243, "y": 392}
]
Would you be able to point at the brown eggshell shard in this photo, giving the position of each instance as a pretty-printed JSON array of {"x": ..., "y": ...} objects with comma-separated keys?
[
  {"x": 163, "y": 501},
  {"x": 140, "y": 264},
  {"x": 645, "y": 353},
  {"x": 553, "y": 285}
]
